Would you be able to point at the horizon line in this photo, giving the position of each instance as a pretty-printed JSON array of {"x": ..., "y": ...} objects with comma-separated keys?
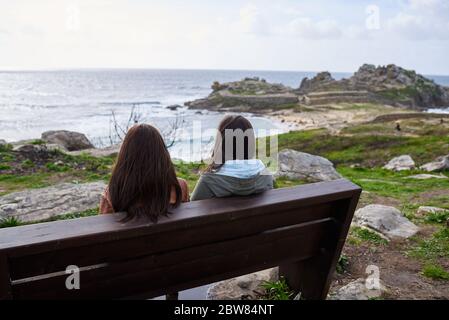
[{"x": 4, "y": 70}]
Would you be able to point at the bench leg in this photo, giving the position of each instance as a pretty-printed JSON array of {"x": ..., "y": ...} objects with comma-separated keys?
[
  {"x": 310, "y": 277},
  {"x": 5, "y": 281},
  {"x": 313, "y": 277}
]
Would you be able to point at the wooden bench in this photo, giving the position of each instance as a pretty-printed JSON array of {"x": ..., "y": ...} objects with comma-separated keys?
[{"x": 302, "y": 230}]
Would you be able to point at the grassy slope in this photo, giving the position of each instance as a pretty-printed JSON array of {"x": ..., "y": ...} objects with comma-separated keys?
[{"x": 359, "y": 152}]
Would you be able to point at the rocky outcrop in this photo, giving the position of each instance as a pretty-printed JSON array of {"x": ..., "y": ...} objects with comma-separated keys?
[
  {"x": 440, "y": 164},
  {"x": 303, "y": 166},
  {"x": 321, "y": 80},
  {"x": 41, "y": 204},
  {"x": 249, "y": 94},
  {"x": 400, "y": 163},
  {"x": 389, "y": 84},
  {"x": 71, "y": 141},
  {"x": 388, "y": 221},
  {"x": 33, "y": 152},
  {"x": 247, "y": 287},
  {"x": 358, "y": 290}
]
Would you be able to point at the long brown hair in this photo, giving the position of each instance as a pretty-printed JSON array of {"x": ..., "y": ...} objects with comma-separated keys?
[
  {"x": 222, "y": 149},
  {"x": 143, "y": 176}
]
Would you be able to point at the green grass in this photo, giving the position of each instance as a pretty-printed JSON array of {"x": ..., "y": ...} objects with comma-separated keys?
[
  {"x": 37, "y": 142},
  {"x": 4, "y": 167},
  {"x": 189, "y": 172},
  {"x": 400, "y": 94},
  {"x": 374, "y": 148},
  {"x": 5, "y": 147},
  {"x": 12, "y": 182},
  {"x": 277, "y": 290},
  {"x": 342, "y": 264},
  {"x": 365, "y": 235},
  {"x": 283, "y": 182},
  {"x": 80, "y": 168},
  {"x": 433, "y": 248},
  {"x": 437, "y": 217},
  {"x": 435, "y": 272},
  {"x": 9, "y": 222},
  {"x": 28, "y": 164},
  {"x": 56, "y": 167},
  {"x": 391, "y": 184}
]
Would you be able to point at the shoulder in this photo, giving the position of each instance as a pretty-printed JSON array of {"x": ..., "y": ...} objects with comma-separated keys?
[
  {"x": 105, "y": 202},
  {"x": 185, "y": 189}
]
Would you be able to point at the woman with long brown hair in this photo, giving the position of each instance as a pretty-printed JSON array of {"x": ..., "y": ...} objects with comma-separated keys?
[
  {"x": 143, "y": 181},
  {"x": 234, "y": 169}
]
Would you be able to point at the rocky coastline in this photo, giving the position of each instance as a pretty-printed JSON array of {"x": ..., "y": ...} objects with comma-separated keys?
[{"x": 384, "y": 85}]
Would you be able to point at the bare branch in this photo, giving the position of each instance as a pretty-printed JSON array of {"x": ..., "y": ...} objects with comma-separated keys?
[{"x": 118, "y": 131}]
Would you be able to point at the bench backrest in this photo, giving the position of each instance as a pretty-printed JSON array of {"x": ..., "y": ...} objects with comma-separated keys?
[{"x": 302, "y": 230}]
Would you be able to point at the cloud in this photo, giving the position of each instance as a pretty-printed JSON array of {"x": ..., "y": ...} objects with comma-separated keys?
[
  {"x": 421, "y": 20},
  {"x": 309, "y": 29},
  {"x": 252, "y": 21},
  {"x": 276, "y": 21}
]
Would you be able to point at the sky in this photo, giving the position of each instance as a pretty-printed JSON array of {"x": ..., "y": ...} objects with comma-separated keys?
[{"x": 308, "y": 35}]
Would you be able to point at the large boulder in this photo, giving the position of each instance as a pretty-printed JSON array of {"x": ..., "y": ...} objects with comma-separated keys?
[
  {"x": 401, "y": 163},
  {"x": 303, "y": 166},
  {"x": 33, "y": 152},
  {"x": 41, "y": 204},
  {"x": 358, "y": 290},
  {"x": 247, "y": 287},
  {"x": 441, "y": 163},
  {"x": 388, "y": 221},
  {"x": 70, "y": 140}
]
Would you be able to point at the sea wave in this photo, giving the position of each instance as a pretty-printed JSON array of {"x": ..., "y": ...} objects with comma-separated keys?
[
  {"x": 129, "y": 103},
  {"x": 438, "y": 110}
]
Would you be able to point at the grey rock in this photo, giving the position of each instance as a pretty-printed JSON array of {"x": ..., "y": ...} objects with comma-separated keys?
[
  {"x": 174, "y": 107},
  {"x": 33, "y": 152},
  {"x": 358, "y": 290},
  {"x": 243, "y": 287},
  {"x": 2, "y": 142},
  {"x": 441, "y": 163},
  {"x": 40, "y": 204},
  {"x": 425, "y": 210},
  {"x": 99, "y": 152},
  {"x": 72, "y": 141},
  {"x": 401, "y": 163},
  {"x": 385, "y": 220},
  {"x": 299, "y": 165},
  {"x": 321, "y": 79}
]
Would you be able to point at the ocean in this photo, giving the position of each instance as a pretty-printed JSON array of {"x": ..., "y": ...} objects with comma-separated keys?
[{"x": 32, "y": 102}]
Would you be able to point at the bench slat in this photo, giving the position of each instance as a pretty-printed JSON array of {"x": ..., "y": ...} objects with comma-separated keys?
[
  {"x": 114, "y": 251},
  {"x": 182, "y": 269},
  {"x": 106, "y": 227}
]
